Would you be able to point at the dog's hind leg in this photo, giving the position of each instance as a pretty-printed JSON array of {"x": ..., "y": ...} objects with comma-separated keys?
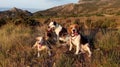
[
  {"x": 49, "y": 51},
  {"x": 88, "y": 49}
]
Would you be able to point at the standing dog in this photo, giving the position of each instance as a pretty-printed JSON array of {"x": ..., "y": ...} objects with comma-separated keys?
[
  {"x": 78, "y": 40},
  {"x": 58, "y": 29},
  {"x": 40, "y": 44}
]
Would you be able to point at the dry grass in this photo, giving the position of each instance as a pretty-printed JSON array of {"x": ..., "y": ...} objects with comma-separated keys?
[{"x": 16, "y": 51}]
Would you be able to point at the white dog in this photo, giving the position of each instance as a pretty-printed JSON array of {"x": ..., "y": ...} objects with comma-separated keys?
[
  {"x": 40, "y": 44},
  {"x": 78, "y": 40},
  {"x": 59, "y": 30}
]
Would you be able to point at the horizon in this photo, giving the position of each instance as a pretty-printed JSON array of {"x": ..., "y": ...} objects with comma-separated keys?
[{"x": 33, "y": 6}]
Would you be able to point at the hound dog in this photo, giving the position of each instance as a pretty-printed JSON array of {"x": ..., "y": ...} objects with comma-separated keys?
[
  {"x": 40, "y": 44},
  {"x": 78, "y": 40},
  {"x": 60, "y": 31}
]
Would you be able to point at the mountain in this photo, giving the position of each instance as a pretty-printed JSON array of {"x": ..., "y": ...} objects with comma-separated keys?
[
  {"x": 14, "y": 12},
  {"x": 83, "y": 7}
]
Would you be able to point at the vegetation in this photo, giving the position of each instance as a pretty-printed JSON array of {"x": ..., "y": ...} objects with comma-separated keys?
[
  {"x": 18, "y": 32},
  {"x": 16, "y": 42}
]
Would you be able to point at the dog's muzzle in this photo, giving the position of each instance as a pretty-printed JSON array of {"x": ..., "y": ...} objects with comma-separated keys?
[
  {"x": 50, "y": 29},
  {"x": 74, "y": 33}
]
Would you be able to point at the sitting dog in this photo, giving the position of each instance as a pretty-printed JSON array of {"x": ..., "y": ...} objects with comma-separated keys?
[
  {"x": 78, "y": 40},
  {"x": 51, "y": 36},
  {"x": 41, "y": 45},
  {"x": 60, "y": 31}
]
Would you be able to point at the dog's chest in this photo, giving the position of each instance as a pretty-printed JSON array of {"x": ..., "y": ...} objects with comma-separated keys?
[
  {"x": 58, "y": 29},
  {"x": 75, "y": 40}
]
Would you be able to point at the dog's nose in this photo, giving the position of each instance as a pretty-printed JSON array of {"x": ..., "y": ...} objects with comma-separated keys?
[
  {"x": 48, "y": 26},
  {"x": 73, "y": 30}
]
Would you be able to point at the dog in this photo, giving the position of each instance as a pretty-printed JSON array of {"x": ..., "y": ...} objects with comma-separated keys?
[
  {"x": 78, "y": 40},
  {"x": 51, "y": 36},
  {"x": 41, "y": 45},
  {"x": 60, "y": 31}
]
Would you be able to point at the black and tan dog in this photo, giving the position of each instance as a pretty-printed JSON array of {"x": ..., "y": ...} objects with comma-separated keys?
[{"x": 78, "y": 40}]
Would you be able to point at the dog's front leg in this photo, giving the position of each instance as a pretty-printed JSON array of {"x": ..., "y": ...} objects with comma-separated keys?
[
  {"x": 70, "y": 42},
  {"x": 77, "y": 49},
  {"x": 58, "y": 42},
  {"x": 58, "y": 39},
  {"x": 38, "y": 55}
]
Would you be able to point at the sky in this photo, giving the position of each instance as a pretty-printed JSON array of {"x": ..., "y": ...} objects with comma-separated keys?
[{"x": 34, "y": 4}]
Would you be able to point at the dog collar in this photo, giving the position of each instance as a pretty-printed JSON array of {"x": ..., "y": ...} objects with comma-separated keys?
[{"x": 76, "y": 34}]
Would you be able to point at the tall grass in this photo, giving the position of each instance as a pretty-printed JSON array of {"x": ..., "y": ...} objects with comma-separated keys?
[
  {"x": 16, "y": 43},
  {"x": 109, "y": 53}
]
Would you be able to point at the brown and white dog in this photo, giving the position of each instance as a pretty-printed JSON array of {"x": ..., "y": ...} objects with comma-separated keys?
[
  {"x": 40, "y": 44},
  {"x": 78, "y": 40},
  {"x": 59, "y": 30}
]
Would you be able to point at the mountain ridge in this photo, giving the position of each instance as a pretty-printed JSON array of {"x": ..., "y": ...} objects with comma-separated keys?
[
  {"x": 13, "y": 12},
  {"x": 83, "y": 7}
]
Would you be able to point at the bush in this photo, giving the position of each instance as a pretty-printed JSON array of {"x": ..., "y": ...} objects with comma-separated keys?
[{"x": 2, "y": 21}]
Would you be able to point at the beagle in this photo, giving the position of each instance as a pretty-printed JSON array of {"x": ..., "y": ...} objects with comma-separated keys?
[
  {"x": 58, "y": 29},
  {"x": 78, "y": 40},
  {"x": 40, "y": 44}
]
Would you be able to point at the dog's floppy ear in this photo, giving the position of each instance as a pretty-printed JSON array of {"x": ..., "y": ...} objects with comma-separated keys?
[
  {"x": 44, "y": 37},
  {"x": 54, "y": 23},
  {"x": 37, "y": 38},
  {"x": 69, "y": 30},
  {"x": 77, "y": 27}
]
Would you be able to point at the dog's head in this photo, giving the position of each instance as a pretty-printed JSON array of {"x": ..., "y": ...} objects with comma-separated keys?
[
  {"x": 40, "y": 41},
  {"x": 52, "y": 25},
  {"x": 73, "y": 29}
]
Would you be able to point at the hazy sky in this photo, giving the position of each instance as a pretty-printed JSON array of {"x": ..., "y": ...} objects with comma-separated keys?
[{"x": 36, "y": 4}]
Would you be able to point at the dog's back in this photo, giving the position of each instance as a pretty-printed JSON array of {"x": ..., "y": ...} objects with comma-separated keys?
[
  {"x": 63, "y": 32},
  {"x": 83, "y": 39}
]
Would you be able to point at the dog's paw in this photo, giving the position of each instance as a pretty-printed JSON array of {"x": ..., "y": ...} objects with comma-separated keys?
[
  {"x": 80, "y": 53},
  {"x": 76, "y": 53},
  {"x": 70, "y": 49},
  {"x": 67, "y": 52},
  {"x": 89, "y": 55}
]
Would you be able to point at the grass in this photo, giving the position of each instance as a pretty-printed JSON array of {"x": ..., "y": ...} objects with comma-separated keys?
[
  {"x": 109, "y": 49},
  {"x": 15, "y": 43},
  {"x": 16, "y": 51}
]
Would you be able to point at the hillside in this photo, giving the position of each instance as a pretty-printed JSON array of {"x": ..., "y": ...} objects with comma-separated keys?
[
  {"x": 17, "y": 16},
  {"x": 83, "y": 7},
  {"x": 14, "y": 12}
]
